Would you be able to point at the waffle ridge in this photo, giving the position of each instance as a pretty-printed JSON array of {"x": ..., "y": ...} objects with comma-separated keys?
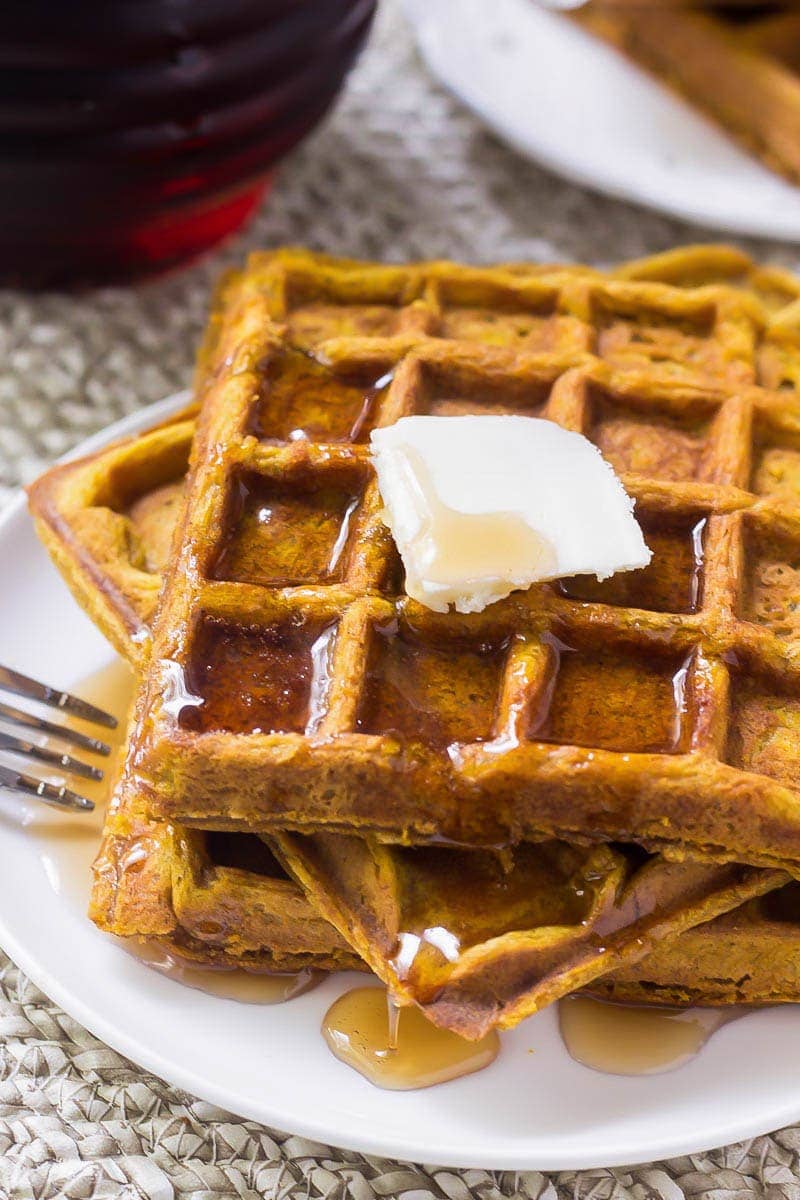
[
  {"x": 745, "y": 956},
  {"x": 668, "y": 390}
]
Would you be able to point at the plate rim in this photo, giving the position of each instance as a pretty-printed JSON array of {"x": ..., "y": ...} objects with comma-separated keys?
[{"x": 389, "y": 1143}]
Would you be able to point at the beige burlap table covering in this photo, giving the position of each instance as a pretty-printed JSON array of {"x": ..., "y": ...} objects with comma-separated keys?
[{"x": 400, "y": 170}]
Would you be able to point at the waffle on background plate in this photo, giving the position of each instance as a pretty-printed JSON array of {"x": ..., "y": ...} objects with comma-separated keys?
[
  {"x": 738, "y": 62},
  {"x": 551, "y": 916},
  {"x": 103, "y": 557}
]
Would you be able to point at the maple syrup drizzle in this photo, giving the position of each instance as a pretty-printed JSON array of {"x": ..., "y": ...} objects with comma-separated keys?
[
  {"x": 255, "y": 679},
  {"x": 74, "y": 842},
  {"x": 342, "y": 537},
  {"x": 319, "y": 689},
  {"x": 176, "y": 695},
  {"x": 698, "y": 533},
  {"x": 393, "y": 1021},
  {"x": 409, "y": 946},
  {"x": 628, "y": 1039},
  {"x": 399, "y": 1049}
]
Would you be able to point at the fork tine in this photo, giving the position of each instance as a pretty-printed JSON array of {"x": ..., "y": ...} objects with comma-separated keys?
[
  {"x": 44, "y": 754},
  {"x": 18, "y": 716},
  {"x": 50, "y": 793},
  {"x": 23, "y": 685}
]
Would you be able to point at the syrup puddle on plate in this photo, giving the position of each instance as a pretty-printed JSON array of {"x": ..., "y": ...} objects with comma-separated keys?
[
  {"x": 229, "y": 983},
  {"x": 398, "y": 1048},
  {"x": 73, "y": 842},
  {"x": 622, "y": 1039}
]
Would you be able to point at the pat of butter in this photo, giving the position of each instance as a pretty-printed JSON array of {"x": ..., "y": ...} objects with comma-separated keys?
[{"x": 482, "y": 506}]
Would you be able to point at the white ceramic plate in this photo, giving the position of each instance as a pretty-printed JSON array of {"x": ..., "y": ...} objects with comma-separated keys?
[
  {"x": 533, "y": 1108},
  {"x": 578, "y": 107}
]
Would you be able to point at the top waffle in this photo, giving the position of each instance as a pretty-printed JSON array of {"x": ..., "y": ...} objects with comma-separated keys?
[
  {"x": 738, "y": 62},
  {"x": 294, "y": 685},
  {"x": 108, "y": 520}
]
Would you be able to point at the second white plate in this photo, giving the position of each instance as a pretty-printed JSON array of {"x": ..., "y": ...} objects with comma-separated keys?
[{"x": 578, "y": 107}]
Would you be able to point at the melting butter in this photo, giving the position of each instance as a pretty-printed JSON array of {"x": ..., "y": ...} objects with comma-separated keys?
[
  {"x": 456, "y": 548},
  {"x": 482, "y": 505},
  {"x": 628, "y": 1039},
  {"x": 398, "y": 1048}
]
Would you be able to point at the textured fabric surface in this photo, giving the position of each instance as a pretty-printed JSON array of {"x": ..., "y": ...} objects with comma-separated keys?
[{"x": 400, "y": 170}]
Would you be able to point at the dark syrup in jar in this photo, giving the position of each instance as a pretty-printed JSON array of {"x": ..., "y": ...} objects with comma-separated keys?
[{"x": 134, "y": 136}]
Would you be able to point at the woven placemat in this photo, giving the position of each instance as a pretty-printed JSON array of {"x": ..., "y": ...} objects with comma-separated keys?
[{"x": 399, "y": 171}]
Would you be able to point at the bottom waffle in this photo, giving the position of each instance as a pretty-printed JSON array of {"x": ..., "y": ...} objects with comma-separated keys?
[
  {"x": 476, "y": 941},
  {"x": 479, "y": 940},
  {"x": 214, "y": 898}
]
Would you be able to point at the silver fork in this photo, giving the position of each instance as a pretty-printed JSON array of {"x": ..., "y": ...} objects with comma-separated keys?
[{"x": 11, "y": 779}]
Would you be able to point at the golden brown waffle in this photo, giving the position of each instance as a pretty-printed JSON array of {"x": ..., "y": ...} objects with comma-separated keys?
[
  {"x": 747, "y": 956},
  {"x": 480, "y": 940},
  {"x": 658, "y": 707},
  {"x": 739, "y": 64}
]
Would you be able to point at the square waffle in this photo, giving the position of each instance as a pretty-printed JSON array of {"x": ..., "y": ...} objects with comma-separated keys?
[
  {"x": 294, "y": 686},
  {"x": 739, "y": 63}
]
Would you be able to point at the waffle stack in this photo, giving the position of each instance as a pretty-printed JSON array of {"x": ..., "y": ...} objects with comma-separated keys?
[
  {"x": 291, "y": 693},
  {"x": 738, "y": 62}
]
